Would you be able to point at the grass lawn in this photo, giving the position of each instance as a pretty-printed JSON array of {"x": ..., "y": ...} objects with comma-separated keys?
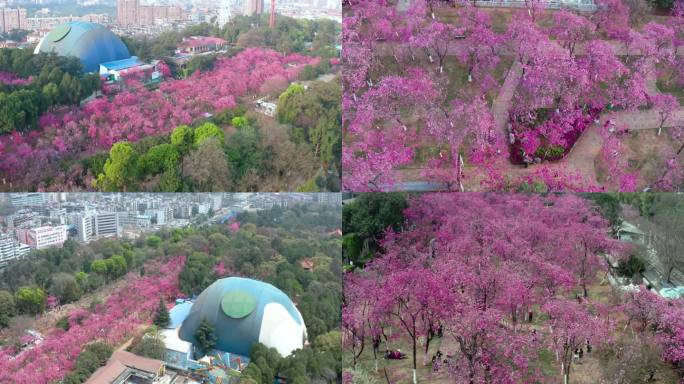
[{"x": 673, "y": 89}]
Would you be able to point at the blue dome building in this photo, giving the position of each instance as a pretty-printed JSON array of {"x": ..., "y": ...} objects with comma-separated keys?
[
  {"x": 243, "y": 312},
  {"x": 92, "y": 43}
]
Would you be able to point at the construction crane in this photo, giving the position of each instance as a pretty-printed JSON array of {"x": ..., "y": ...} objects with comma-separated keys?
[{"x": 271, "y": 20}]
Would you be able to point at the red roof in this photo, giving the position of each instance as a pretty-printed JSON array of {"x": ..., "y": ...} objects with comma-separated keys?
[
  {"x": 107, "y": 374},
  {"x": 138, "y": 362},
  {"x": 197, "y": 41}
]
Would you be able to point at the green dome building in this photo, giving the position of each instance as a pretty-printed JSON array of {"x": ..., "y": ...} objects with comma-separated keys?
[{"x": 243, "y": 312}]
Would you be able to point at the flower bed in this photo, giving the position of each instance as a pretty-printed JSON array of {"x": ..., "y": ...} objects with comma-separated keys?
[
  {"x": 12, "y": 79},
  {"x": 548, "y": 138}
]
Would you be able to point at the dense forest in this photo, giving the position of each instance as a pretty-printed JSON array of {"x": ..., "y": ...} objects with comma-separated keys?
[
  {"x": 32, "y": 84},
  {"x": 269, "y": 245}
]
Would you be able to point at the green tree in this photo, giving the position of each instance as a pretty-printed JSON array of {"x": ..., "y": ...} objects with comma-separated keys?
[
  {"x": 634, "y": 265},
  {"x": 206, "y": 131},
  {"x": 664, "y": 4},
  {"x": 307, "y": 73},
  {"x": 610, "y": 208},
  {"x": 367, "y": 218},
  {"x": 153, "y": 241},
  {"x": 316, "y": 116},
  {"x": 183, "y": 137},
  {"x": 30, "y": 300},
  {"x": 239, "y": 122},
  {"x": 158, "y": 159},
  {"x": 197, "y": 273},
  {"x": 200, "y": 62},
  {"x": 88, "y": 361},
  {"x": 285, "y": 113},
  {"x": 244, "y": 153},
  {"x": 99, "y": 267},
  {"x": 150, "y": 346},
  {"x": 7, "y": 308},
  {"x": 51, "y": 94},
  {"x": 161, "y": 316},
  {"x": 117, "y": 266},
  {"x": 119, "y": 170},
  {"x": 206, "y": 339},
  {"x": 65, "y": 288}
]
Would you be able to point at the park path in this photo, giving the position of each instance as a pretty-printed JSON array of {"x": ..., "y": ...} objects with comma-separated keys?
[
  {"x": 502, "y": 104},
  {"x": 580, "y": 159}
]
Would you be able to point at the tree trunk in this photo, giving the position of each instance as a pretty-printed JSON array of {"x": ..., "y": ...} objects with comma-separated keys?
[
  {"x": 415, "y": 380},
  {"x": 471, "y": 368}
]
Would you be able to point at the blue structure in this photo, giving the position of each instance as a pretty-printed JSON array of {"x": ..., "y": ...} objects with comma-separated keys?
[
  {"x": 224, "y": 219},
  {"x": 118, "y": 65},
  {"x": 243, "y": 312},
  {"x": 178, "y": 313},
  {"x": 92, "y": 43}
]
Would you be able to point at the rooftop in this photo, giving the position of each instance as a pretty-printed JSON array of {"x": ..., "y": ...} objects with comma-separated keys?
[
  {"x": 118, "y": 65},
  {"x": 138, "y": 362},
  {"x": 197, "y": 41},
  {"x": 173, "y": 342},
  {"x": 107, "y": 374},
  {"x": 178, "y": 313}
]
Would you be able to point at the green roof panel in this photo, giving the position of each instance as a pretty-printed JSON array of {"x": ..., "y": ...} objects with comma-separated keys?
[
  {"x": 59, "y": 33},
  {"x": 238, "y": 304}
]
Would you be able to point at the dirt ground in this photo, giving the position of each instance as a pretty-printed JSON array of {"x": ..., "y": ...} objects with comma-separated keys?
[{"x": 591, "y": 369}]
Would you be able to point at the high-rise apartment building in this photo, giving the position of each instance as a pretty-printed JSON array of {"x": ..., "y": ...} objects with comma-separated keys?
[
  {"x": 107, "y": 224},
  {"x": 84, "y": 225},
  {"x": 127, "y": 12},
  {"x": 12, "y": 19},
  {"x": 251, "y": 7},
  {"x": 131, "y": 13}
]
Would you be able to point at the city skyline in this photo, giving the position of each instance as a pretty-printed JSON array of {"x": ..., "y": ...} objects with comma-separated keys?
[{"x": 33, "y": 221}]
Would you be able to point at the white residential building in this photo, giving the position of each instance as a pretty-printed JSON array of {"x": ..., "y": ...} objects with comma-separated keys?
[
  {"x": 107, "y": 224},
  {"x": 85, "y": 227},
  {"x": 43, "y": 237},
  {"x": 27, "y": 199},
  {"x": 11, "y": 249}
]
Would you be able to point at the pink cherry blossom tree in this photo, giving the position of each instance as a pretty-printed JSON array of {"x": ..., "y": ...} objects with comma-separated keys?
[
  {"x": 112, "y": 323},
  {"x": 572, "y": 327}
]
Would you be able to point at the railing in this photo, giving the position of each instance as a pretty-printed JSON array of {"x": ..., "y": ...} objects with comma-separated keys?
[{"x": 583, "y": 7}]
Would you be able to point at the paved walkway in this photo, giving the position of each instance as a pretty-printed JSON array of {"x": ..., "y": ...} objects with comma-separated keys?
[{"x": 502, "y": 104}]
